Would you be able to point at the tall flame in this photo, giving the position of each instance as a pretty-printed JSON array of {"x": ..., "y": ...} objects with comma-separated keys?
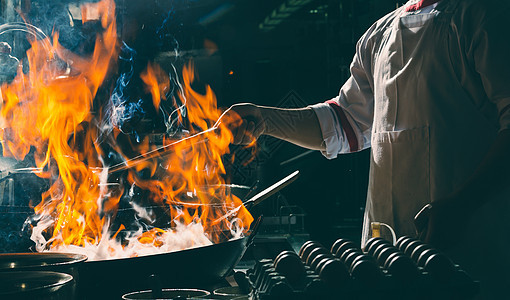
[{"x": 49, "y": 109}]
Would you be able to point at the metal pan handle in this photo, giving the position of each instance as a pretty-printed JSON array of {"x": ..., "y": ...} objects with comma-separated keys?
[
  {"x": 254, "y": 230},
  {"x": 268, "y": 192}
]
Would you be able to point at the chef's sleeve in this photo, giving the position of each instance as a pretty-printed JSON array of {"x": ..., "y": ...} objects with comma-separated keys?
[
  {"x": 346, "y": 120},
  {"x": 491, "y": 54}
]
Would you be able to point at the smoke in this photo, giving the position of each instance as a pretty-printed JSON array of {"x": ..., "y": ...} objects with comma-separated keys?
[
  {"x": 54, "y": 16},
  {"x": 124, "y": 108},
  {"x": 167, "y": 41},
  {"x": 171, "y": 114},
  {"x": 118, "y": 109},
  {"x": 169, "y": 23},
  {"x": 181, "y": 237}
]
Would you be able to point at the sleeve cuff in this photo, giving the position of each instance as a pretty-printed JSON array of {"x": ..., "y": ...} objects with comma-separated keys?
[{"x": 332, "y": 134}]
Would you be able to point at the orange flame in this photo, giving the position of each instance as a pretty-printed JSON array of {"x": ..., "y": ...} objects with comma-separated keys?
[
  {"x": 46, "y": 107},
  {"x": 49, "y": 109},
  {"x": 197, "y": 166},
  {"x": 157, "y": 82}
]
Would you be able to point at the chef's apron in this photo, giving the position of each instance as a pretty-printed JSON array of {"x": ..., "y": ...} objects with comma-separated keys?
[{"x": 423, "y": 145}]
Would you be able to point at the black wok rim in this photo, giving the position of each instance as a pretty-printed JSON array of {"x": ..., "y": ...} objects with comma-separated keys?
[{"x": 163, "y": 254}]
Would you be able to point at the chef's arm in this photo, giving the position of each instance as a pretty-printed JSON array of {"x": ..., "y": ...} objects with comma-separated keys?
[{"x": 299, "y": 126}]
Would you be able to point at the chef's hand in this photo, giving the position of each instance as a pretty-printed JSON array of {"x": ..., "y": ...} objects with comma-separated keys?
[
  {"x": 248, "y": 124},
  {"x": 442, "y": 223}
]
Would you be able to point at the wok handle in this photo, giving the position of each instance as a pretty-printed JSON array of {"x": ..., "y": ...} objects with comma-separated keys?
[
  {"x": 254, "y": 230},
  {"x": 252, "y": 189},
  {"x": 266, "y": 193}
]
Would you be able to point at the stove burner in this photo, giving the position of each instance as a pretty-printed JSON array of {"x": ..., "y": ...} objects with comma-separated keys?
[{"x": 167, "y": 294}]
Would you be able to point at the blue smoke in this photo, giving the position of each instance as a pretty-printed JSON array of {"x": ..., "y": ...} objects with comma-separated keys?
[{"x": 118, "y": 110}]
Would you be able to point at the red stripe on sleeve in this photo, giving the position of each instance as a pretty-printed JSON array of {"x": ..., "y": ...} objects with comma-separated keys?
[
  {"x": 349, "y": 131},
  {"x": 421, "y": 4}
]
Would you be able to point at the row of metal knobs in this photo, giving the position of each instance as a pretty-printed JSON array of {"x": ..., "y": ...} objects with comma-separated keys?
[{"x": 383, "y": 270}]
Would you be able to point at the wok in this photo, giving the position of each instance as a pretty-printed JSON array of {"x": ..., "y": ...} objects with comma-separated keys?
[{"x": 109, "y": 279}]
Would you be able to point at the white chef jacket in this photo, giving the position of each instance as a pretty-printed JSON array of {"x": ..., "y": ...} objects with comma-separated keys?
[{"x": 429, "y": 93}]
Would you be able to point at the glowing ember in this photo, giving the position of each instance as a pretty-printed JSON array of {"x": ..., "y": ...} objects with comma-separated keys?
[{"x": 48, "y": 112}]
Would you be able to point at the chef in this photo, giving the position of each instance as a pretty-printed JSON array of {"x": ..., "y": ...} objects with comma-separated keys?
[{"x": 429, "y": 93}]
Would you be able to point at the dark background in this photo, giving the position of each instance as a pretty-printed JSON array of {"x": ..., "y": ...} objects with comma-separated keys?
[{"x": 285, "y": 53}]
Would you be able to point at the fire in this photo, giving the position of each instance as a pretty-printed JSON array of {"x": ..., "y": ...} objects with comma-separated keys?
[
  {"x": 197, "y": 166},
  {"x": 158, "y": 82},
  {"x": 49, "y": 112}
]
